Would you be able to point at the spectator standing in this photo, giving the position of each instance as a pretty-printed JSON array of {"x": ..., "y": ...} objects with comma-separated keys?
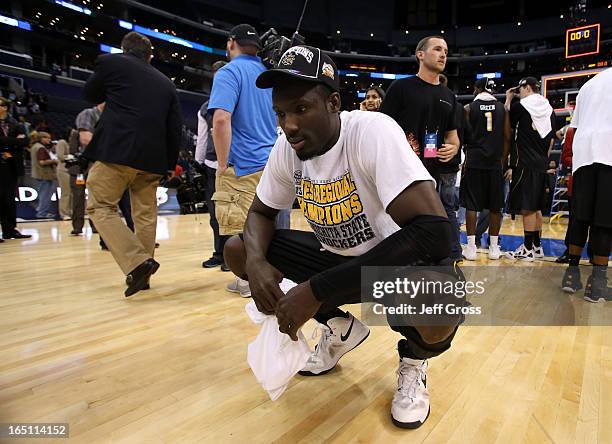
[
  {"x": 426, "y": 111},
  {"x": 44, "y": 171},
  {"x": 62, "y": 149},
  {"x": 13, "y": 141}
]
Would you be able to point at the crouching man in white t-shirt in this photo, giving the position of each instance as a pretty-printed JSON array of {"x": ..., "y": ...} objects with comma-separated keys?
[{"x": 370, "y": 202}]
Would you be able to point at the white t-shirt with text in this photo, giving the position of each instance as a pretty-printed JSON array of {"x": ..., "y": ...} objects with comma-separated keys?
[
  {"x": 344, "y": 193},
  {"x": 593, "y": 122}
]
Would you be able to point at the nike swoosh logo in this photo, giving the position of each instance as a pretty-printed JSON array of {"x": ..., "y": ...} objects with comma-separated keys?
[
  {"x": 250, "y": 33},
  {"x": 348, "y": 332}
]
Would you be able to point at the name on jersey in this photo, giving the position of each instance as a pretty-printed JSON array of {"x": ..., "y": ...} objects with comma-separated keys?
[
  {"x": 487, "y": 107},
  {"x": 334, "y": 211}
]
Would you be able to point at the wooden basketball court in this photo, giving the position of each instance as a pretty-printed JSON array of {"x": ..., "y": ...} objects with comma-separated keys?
[{"x": 169, "y": 364}]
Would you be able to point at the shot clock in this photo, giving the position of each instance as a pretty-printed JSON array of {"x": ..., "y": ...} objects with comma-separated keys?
[{"x": 582, "y": 41}]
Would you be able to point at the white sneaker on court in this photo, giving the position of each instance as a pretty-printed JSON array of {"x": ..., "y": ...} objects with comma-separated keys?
[
  {"x": 410, "y": 405},
  {"x": 538, "y": 252},
  {"x": 240, "y": 286},
  {"x": 338, "y": 337},
  {"x": 470, "y": 252},
  {"x": 494, "y": 252},
  {"x": 523, "y": 254}
]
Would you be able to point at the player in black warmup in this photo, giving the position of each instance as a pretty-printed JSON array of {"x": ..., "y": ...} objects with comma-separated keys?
[
  {"x": 486, "y": 148},
  {"x": 533, "y": 121}
]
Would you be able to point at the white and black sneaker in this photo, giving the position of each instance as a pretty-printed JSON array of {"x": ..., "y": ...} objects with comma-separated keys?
[
  {"x": 410, "y": 405},
  {"x": 338, "y": 337},
  {"x": 523, "y": 254},
  {"x": 538, "y": 252}
]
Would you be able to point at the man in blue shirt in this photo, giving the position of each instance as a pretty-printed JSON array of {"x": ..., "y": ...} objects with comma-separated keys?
[{"x": 244, "y": 131}]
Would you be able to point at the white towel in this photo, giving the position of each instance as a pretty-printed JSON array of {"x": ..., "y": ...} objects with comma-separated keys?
[
  {"x": 540, "y": 110},
  {"x": 485, "y": 96},
  {"x": 273, "y": 356}
]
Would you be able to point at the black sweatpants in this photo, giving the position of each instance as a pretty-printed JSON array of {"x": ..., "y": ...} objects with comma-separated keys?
[{"x": 299, "y": 256}]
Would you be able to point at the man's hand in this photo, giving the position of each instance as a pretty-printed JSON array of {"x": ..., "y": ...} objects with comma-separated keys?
[
  {"x": 447, "y": 152},
  {"x": 221, "y": 169},
  {"x": 510, "y": 93},
  {"x": 295, "y": 308},
  {"x": 508, "y": 175},
  {"x": 263, "y": 282}
]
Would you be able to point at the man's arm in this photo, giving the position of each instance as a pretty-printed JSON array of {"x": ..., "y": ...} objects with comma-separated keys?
[
  {"x": 21, "y": 141},
  {"x": 43, "y": 157},
  {"x": 449, "y": 147},
  {"x": 222, "y": 137},
  {"x": 263, "y": 278},
  {"x": 84, "y": 137},
  {"x": 509, "y": 96},
  {"x": 507, "y": 137},
  {"x": 425, "y": 235}
]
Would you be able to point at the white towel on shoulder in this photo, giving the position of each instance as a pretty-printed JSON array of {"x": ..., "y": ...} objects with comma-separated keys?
[
  {"x": 273, "y": 356},
  {"x": 540, "y": 110}
]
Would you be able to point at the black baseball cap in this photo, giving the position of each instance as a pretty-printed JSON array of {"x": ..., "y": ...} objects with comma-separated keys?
[
  {"x": 302, "y": 62},
  {"x": 245, "y": 35},
  {"x": 527, "y": 81}
]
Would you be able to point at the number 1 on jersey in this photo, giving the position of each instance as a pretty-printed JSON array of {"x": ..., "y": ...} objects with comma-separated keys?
[{"x": 489, "y": 116}]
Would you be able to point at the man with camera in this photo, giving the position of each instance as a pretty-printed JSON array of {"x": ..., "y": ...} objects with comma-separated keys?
[
  {"x": 244, "y": 130},
  {"x": 13, "y": 141},
  {"x": 77, "y": 165}
]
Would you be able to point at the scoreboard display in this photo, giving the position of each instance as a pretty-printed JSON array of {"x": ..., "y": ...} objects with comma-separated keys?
[{"x": 582, "y": 41}]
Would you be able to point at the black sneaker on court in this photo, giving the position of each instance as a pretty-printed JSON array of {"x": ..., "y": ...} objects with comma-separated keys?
[
  {"x": 338, "y": 337},
  {"x": 212, "y": 262},
  {"x": 597, "y": 290},
  {"x": 16, "y": 235},
  {"x": 571, "y": 280}
]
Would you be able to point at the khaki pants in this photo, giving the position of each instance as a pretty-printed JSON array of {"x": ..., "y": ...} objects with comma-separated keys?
[
  {"x": 106, "y": 184},
  {"x": 233, "y": 198},
  {"x": 65, "y": 203}
]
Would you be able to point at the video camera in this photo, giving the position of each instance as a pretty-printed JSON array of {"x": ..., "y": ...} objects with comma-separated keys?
[
  {"x": 274, "y": 45},
  {"x": 76, "y": 160}
]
